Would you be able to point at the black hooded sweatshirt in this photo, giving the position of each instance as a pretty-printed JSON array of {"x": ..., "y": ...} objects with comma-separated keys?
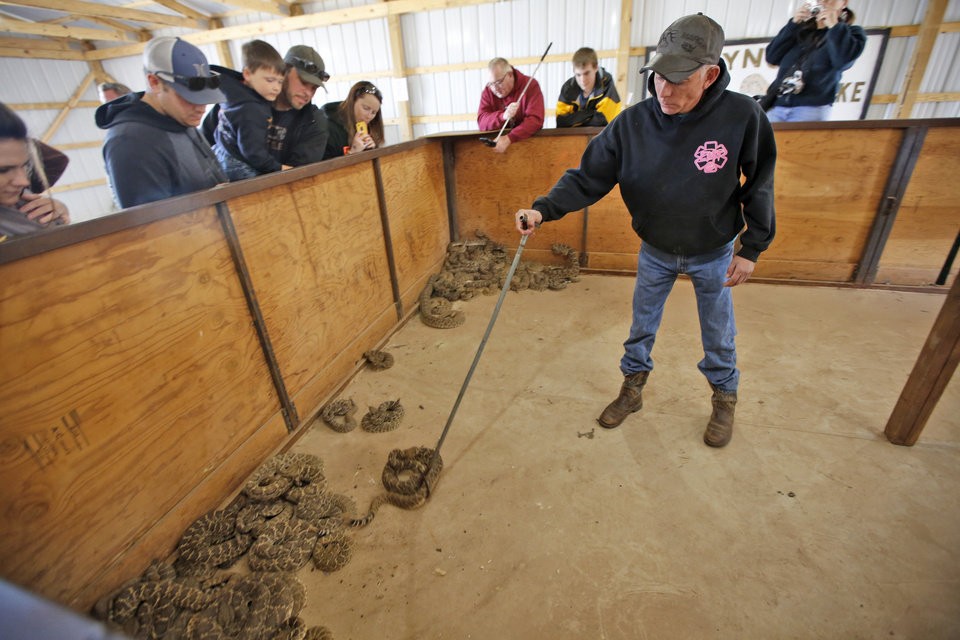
[
  {"x": 679, "y": 175},
  {"x": 150, "y": 156},
  {"x": 244, "y": 122}
]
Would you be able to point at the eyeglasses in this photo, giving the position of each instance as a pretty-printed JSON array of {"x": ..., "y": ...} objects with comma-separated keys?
[
  {"x": 372, "y": 90},
  {"x": 310, "y": 67},
  {"x": 194, "y": 83},
  {"x": 499, "y": 83}
]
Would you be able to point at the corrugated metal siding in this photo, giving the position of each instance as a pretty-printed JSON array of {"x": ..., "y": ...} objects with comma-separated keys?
[{"x": 465, "y": 36}]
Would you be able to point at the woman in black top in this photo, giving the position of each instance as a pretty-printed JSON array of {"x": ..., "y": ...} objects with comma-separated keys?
[{"x": 361, "y": 105}]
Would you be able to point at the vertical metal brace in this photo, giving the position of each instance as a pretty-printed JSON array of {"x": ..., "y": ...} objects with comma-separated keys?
[
  {"x": 897, "y": 182},
  {"x": 387, "y": 239},
  {"x": 287, "y": 407},
  {"x": 450, "y": 184}
]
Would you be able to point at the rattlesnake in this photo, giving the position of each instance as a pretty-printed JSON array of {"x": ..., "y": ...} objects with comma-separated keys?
[
  {"x": 384, "y": 418},
  {"x": 211, "y": 541},
  {"x": 284, "y": 545},
  {"x": 379, "y": 360},
  {"x": 338, "y": 415},
  {"x": 408, "y": 478},
  {"x": 438, "y": 312},
  {"x": 481, "y": 267}
]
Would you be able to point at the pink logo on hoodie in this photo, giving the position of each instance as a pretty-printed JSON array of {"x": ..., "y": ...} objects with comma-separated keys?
[{"x": 710, "y": 157}]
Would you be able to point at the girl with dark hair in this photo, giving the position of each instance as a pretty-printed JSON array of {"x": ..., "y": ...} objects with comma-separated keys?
[
  {"x": 815, "y": 47},
  {"x": 362, "y": 105},
  {"x": 22, "y": 212}
]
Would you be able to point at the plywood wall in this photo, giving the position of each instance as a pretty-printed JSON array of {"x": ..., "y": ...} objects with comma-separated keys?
[
  {"x": 928, "y": 219},
  {"x": 136, "y": 393}
]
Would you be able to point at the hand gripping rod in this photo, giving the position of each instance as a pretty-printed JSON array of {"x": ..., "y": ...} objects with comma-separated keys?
[{"x": 522, "y": 93}]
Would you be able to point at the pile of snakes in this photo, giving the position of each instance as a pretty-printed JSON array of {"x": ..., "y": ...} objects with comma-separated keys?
[
  {"x": 481, "y": 266},
  {"x": 283, "y": 520}
]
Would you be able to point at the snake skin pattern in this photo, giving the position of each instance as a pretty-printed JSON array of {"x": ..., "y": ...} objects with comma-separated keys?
[{"x": 481, "y": 266}]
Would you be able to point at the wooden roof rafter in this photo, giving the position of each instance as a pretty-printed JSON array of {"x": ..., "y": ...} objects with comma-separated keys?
[
  {"x": 82, "y": 8},
  {"x": 58, "y": 31}
]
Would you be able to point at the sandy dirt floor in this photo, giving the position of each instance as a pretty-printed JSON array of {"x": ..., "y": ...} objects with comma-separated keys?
[{"x": 544, "y": 525}]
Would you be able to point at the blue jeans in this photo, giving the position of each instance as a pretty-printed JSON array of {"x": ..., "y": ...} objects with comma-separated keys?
[
  {"x": 800, "y": 114},
  {"x": 235, "y": 168},
  {"x": 656, "y": 273}
]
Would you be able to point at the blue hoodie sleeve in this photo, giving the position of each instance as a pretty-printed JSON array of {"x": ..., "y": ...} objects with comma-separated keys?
[{"x": 137, "y": 177}]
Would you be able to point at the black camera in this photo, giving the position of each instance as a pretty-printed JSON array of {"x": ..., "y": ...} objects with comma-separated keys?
[{"x": 792, "y": 84}]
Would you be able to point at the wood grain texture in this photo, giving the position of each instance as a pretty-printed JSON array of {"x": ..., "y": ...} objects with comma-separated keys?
[
  {"x": 317, "y": 259},
  {"x": 416, "y": 203},
  {"x": 929, "y": 216},
  {"x": 829, "y": 185},
  {"x": 491, "y": 187},
  {"x": 130, "y": 370}
]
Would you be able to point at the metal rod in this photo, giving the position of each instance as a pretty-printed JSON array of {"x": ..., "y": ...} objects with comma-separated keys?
[
  {"x": 522, "y": 93},
  {"x": 483, "y": 343}
]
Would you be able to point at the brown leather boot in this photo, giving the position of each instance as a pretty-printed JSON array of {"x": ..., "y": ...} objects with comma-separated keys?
[
  {"x": 629, "y": 401},
  {"x": 720, "y": 428}
]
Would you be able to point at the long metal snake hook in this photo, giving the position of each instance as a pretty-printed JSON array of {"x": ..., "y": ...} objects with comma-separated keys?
[{"x": 476, "y": 358}]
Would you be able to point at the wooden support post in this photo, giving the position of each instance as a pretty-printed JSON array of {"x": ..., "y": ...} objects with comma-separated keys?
[
  {"x": 623, "y": 51},
  {"x": 929, "y": 30},
  {"x": 223, "y": 46},
  {"x": 399, "y": 64},
  {"x": 71, "y": 103},
  {"x": 936, "y": 364}
]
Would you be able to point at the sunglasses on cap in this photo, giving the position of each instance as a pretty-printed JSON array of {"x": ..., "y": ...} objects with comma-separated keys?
[
  {"x": 194, "y": 83},
  {"x": 310, "y": 67},
  {"x": 372, "y": 90}
]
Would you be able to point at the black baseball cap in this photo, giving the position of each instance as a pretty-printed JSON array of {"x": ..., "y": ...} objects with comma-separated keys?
[{"x": 686, "y": 45}]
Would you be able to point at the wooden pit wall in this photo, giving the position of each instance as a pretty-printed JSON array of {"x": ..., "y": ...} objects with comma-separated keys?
[
  {"x": 858, "y": 202},
  {"x": 136, "y": 392}
]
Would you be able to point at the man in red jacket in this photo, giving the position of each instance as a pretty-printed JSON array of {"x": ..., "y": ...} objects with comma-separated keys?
[{"x": 500, "y": 101}]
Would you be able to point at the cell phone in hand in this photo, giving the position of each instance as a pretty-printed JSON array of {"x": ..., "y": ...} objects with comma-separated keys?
[{"x": 362, "y": 127}]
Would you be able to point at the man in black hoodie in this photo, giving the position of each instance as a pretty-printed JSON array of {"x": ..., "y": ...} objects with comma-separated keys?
[
  {"x": 299, "y": 129},
  {"x": 152, "y": 149},
  {"x": 679, "y": 157}
]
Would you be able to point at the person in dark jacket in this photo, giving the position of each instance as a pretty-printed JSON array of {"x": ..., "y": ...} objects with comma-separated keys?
[
  {"x": 815, "y": 47},
  {"x": 241, "y": 137},
  {"x": 152, "y": 149},
  {"x": 298, "y": 129},
  {"x": 693, "y": 162},
  {"x": 24, "y": 175},
  {"x": 589, "y": 98},
  {"x": 362, "y": 104}
]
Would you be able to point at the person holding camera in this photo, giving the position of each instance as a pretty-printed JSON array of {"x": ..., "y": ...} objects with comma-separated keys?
[
  {"x": 815, "y": 47},
  {"x": 356, "y": 124}
]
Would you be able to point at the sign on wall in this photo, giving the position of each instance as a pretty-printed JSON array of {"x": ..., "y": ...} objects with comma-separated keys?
[{"x": 750, "y": 74}]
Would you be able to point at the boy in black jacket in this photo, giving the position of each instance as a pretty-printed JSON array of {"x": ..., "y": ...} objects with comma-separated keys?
[
  {"x": 246, "y": 116},
  {"x": 694, "y": 162}
]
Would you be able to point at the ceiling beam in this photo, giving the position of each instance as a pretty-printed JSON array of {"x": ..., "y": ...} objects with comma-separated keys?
[
  {"x": 35, "y": 43},
  {"x": 83, "y": 8},
  {"x": 182, "y": 9},
  {"x": 49, "y": 54},
  {"x": 58, "y": 31},
  {"x": 263, "y": 6},
  {"x": 295, "y": 23}
]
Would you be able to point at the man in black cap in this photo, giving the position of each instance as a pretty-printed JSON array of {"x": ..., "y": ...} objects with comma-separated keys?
[
  {"x": 152, "y": 149},
  {"x": 298, "y": 133},
  {"x": 694, "y": 162}
]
